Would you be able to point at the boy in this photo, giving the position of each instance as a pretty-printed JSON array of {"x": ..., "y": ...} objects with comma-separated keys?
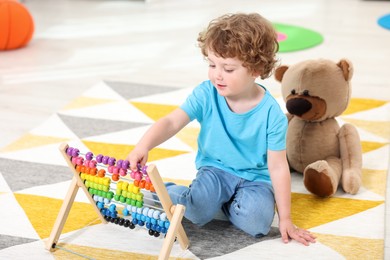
[{"x": 241, "y": 159}]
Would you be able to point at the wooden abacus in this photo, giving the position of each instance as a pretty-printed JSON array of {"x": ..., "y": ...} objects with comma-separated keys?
[{"x": 97, "y": 186}]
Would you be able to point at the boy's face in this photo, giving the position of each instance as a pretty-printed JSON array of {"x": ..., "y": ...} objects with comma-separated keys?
[{"x": 229, "y": 77}]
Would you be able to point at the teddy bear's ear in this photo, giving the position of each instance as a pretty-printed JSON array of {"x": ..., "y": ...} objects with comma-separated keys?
[
  {"x": 347, "y": 68},
  {"x": 279, "y": 72}
]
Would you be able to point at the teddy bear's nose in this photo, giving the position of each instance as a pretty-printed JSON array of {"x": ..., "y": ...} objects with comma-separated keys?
[{"x": 298, "y": 106}]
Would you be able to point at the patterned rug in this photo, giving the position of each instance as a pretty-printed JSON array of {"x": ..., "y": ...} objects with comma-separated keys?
[{"x": 110, "y": 118}]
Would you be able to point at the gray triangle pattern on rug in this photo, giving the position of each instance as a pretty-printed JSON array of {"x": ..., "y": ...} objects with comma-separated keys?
[
  {"x": 85, "y": 127},
  {"x": 206, "y": 240},
  {"x": 129, "y": 90},
  {"x": 8, "y": 241},
  {"x": 21, "y": 175}
]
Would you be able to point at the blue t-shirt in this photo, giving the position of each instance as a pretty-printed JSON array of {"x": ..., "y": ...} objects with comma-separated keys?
[{"x": 236, "y": 143}]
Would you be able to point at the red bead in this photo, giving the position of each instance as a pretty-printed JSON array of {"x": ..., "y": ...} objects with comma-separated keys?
[
  {"x": 115, "y": 177},
  {"x": 93, "y": 171},
  {"x": 101, "y": 173}
]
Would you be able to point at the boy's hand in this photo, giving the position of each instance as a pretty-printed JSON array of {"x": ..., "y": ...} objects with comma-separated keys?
[
  {"x": 288, "y": 230},
  {"x": 137, "y": 156}
]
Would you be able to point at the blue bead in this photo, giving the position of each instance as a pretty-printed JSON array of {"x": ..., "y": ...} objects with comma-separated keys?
[
  {"x": 147, "y": 219},
  {"x": 153, "y": 227},
  {"x": 158, "y": 228},
  {"x": 163, "y": 230},
  {"x": 167, "y": 224},
  {"x": 163, "y": 216},
  {"x": 145, "y": 211},
  {"x": 139, "y": 216},
  {"x": 100, "y": 205},
  {"x": 156, "y": 214},
  {"x": 161, "y": 223},
  {"x": 125, "y": 212},
  {"x": 150, "y": 213},
  {"x": 154, "y": 221},
  {"x": 112, "y": 207},
  {"x": 143, "y": 218},
  {"x": 148, "y": 225},
  {"x": 141, "y": 223},
  {"x": 134, "y": 221}
]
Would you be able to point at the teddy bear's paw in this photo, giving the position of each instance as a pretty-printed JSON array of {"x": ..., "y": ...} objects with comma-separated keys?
[
  {"x": 319, "y": 179},
  {"x": 351, "y": 181}
]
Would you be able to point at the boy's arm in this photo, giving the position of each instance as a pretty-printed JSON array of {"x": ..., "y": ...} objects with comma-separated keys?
[
  {"x": 281, "y": 182},
  {"x": 158, "y": 133}
]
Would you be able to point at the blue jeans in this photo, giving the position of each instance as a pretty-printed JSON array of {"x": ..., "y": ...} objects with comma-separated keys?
[{"x": 249, "y": 205}]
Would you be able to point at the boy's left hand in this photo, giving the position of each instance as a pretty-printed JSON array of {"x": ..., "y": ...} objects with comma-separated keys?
[{"x": 289, "y": 230}]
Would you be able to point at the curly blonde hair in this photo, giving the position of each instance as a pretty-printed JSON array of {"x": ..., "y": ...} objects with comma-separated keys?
[{"x": 248, "y": 37}]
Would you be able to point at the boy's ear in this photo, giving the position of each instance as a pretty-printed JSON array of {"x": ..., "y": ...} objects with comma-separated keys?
[{"x": 256, "y": 74}]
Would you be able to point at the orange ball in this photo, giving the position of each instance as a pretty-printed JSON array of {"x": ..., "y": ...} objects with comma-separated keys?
[{"x": 16, "y": 25}]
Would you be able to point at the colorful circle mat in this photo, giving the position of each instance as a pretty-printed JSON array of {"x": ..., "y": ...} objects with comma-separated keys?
[
  {"x": 293, "y": 38},
  {"x": 384, "y": 21}
]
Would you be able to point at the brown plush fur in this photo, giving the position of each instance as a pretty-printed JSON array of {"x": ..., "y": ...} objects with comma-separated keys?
[{"x": 316, "y": 92}]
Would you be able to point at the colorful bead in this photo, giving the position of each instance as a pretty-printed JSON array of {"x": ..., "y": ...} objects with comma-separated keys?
[
  {"x": 75, "y": 152},
  {"x": 125, "y": 164},
  {"x": 99, "y": 158},
  {"x": 69, "y": 151},
  {"x": 89, "y": 156},
  {"x": 119, "y": 163},
  {"x": 122, "y": 172},
  {"x": 105, "y": 159},
  {"x": 111, "y": 161}
]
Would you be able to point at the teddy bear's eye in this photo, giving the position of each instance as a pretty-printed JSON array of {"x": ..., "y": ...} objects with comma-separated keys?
[
  {"x": 293, "y": 92},
  {"x": 306, "y": 92}
]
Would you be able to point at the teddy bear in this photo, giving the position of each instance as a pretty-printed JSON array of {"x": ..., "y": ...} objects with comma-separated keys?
[{"x": 328, "y": 155}]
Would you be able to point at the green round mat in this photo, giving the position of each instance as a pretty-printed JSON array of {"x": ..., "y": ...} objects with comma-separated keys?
[{"x": 297, "y": 38}]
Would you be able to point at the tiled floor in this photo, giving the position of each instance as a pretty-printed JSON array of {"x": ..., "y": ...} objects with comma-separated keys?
[{"x": 79, "y": 43}]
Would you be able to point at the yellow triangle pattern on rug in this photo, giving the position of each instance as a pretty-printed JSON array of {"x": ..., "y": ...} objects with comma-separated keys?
[
  {"x": 42, "y": 213},
  {"x": 353, "y": 247},
  {"x": 154, "y": 111},
  {"x": 375, "y": 181},
  {"x": 379, "y": 128},
  {"x": 362, "y": 104},
  {"x": 371, "y": 146},
  {"x": 70, "y": 251},
  {"x": 120, "y": 151},
  {"x": 82, "y": 102},
  {"x": 28, "y": 141},
  {"x": 309, "y": 211},
  {"x": 189, "y": 135}
]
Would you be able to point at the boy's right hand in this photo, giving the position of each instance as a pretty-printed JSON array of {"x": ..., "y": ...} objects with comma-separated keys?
[{"x": 137, "y": 156}]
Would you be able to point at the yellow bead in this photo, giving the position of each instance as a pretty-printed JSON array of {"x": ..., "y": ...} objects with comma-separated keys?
[{"x": 135, "y": 189}]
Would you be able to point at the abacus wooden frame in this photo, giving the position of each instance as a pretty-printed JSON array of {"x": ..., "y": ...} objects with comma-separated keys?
[{"x": 174, "y": 213}]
